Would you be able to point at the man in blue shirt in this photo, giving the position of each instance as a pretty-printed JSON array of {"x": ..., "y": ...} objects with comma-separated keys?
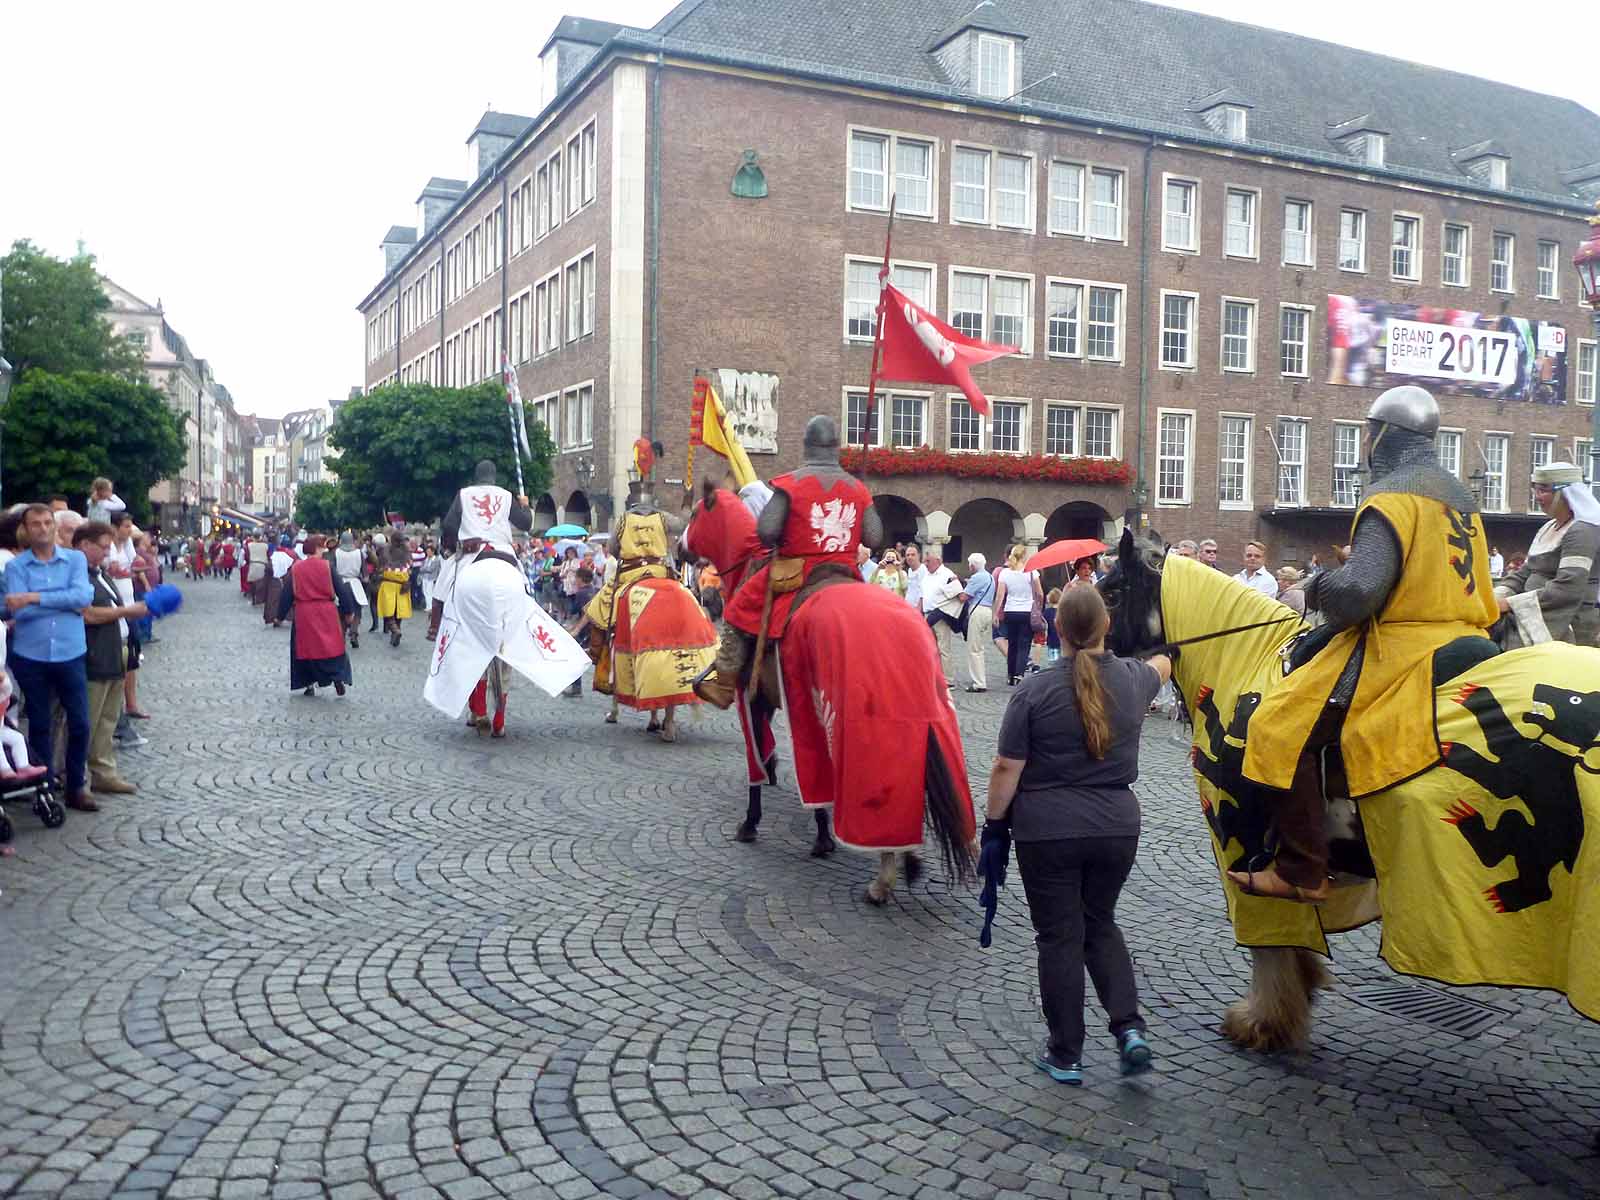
[
  {"x": 980, "y": 620},
  {"x": 47, "y": 588}
]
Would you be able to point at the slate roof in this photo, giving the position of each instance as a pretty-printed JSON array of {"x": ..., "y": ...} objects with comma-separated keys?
[
  {"x": 987, "y": 15},
  {"x": 500, "y": 124},
  {"x": 399, "y": 235},
  {"x": 583, "y": 29},
  {"x": 449, "y": 189},
  {"x": 1143, "y": 65}
]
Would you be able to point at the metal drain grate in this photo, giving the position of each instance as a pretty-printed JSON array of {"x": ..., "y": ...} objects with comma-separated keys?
[
  {"x": 1451, "y": 1014},
  {"x": 772, "y": 1096}
]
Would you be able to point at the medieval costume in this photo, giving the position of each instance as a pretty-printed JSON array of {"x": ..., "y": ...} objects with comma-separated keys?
[
  {"x": 228, "y": 559},
  {"x": 1551, "y": 596},
  {"x": 278, "y": 564},
  {"x": 1416, "y": 581},
  {"x": 394, "y": 588},
  {"x": 815, "y": 518},
  {"x": 348, "y": 562},
  {"x": 654, "y": 638},
  {"x": 253, "y": 570},
  {"x": 320, "y": 602}
]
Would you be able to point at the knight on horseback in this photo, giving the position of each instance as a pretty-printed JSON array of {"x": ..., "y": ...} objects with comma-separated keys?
[
  {"x": 816, "y": 517},
  {"x": 1358, "y": 707}
]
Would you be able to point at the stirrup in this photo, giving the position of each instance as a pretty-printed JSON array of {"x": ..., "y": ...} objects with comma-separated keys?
[{"x": 710, "y": 686}]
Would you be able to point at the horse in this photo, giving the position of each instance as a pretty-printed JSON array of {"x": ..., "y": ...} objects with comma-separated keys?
[
  {"x": 1516, "y": 771},
  {"x": 844, "y": 640}
]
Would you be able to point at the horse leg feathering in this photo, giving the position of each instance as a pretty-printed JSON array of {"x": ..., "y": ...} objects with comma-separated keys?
[{"x": 1275, "y": 1014}]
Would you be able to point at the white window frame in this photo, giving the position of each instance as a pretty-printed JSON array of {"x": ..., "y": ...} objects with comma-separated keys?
[
  {"x": 1090, "y": 203},
  {"x": 1193, "y": 332},
  {"x": 1336, "y": 466},
  {"x": 1510, "y": 262},
  {"x": 521, "y": 324},
  {"x": 990, "y": 219},
  {"x": 1419, "y": 231},
  {"x": 1188, "y": 458},
  {"x": 1232, "y": 113},
  {"x": 1278, "y": 422},
  {"x": 1024, "y": 432},
  {"x": 950, "y": 402},
  {"x": 1080, "y": 322},
  {"x": 1310, "y": 261},
  {"x": 1253, "y": 254},
  {"x": 1010, "y": 47},
  {"x": 1578, "y": 372},
  {"x": 1534, "y": 442},
  {"x": 1028, "y": 305},
  {"x": 1052, "y": 230},
  {"x": 1310, "y": 313},
  {"x": 574, "y": 179},
  {"x": 895, "y": 264},
  {"x": 1080, "y": 446},
  {"x": 891, "y": 139},
  {"x": 1248, "y": 480},
  {"x": 1555, "y": 269},
  {"x": 589, "y": 141},
  {"x": 877, "y": 408},
  {"x": 1076, "y": 410},
  {"x": 1121, "y": 323},
  {"x": 1465, "y": 256},
  {"x": 1460, "y": 436},
  {"x": 926, "y": 398},
  {"x": 1169, "y": 180},
  {"x": 567, "y": 440},
  {"x": 1582, "y": 457},
  {"x": 1363, "y": 214},
  {"x": 1505, "y": 470},
  {"x": 1251, "y": 338}
]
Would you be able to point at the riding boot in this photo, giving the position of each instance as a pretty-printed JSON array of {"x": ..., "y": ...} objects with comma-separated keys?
[
  {"x": 478, "y": 705},
  {"x": 499, "y": 725},
  {"x": 718, "y": 683},
  {"x": 435, "y": 615}
]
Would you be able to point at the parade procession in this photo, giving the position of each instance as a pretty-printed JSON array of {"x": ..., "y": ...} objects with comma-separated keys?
[{"x": 942, "y": 599}]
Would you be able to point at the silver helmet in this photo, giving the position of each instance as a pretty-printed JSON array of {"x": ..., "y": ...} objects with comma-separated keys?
[{"x": 1408, "y": 407}]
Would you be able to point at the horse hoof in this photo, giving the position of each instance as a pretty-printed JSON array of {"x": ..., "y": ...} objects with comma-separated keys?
[
  {"x": 823, "y": 847},
  {"x": 875, "y": 900},
  {"x": 668, "y": 735},
  {"x": 611, "y": 718},
  {"x": 913, "y": 868},
  {"x": 745, "y": 833}
]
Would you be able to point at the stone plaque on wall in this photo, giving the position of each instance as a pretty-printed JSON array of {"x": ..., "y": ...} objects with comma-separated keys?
[{"x": 750, "y": 398}]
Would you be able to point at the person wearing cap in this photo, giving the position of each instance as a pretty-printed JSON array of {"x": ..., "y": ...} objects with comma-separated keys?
[
  {"x": 1416, "y": 584},
  {"x": 1551, "y": 596}
]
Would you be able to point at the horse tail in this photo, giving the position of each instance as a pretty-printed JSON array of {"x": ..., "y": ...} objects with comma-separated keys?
[{"x": 951, "y": 826}]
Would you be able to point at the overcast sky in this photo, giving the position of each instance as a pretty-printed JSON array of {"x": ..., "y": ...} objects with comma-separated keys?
[{"x": 240, "y": 163}]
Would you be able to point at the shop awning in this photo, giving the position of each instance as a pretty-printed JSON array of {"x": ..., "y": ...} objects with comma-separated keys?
[{"x": 240, "y": 518}]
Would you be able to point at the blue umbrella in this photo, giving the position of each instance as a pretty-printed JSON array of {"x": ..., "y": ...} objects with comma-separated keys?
[{"x": 560, "y": 531}]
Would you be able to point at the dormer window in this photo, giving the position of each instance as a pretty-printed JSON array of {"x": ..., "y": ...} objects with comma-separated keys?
[
  {"x": 1367, "y": 148},
  {"x": 1235, "y": 123},
  {"x": 1497, "y": 174},
  {"x": 1487, "y": 162},
  {"x": 997, "y": 66}
]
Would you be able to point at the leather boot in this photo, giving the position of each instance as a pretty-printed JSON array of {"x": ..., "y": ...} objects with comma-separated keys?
[
  {"x": 435, "y": 615},
  {"x": 714, "y": 688}
]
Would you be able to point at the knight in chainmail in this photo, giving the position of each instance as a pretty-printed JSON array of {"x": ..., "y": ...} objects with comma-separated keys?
[
  {"x": 813, "y": 521},
  {"x": 1416, "y": 585}
]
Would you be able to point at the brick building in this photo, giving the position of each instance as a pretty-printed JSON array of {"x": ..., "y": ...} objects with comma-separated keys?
[{"x": 1156, "y": 205}]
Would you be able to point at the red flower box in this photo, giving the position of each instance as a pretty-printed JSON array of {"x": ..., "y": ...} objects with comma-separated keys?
[{"x": 1041, "y": 468}]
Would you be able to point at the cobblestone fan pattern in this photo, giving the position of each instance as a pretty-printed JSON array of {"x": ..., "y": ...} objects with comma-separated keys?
[{"x": 346, "y": 949}]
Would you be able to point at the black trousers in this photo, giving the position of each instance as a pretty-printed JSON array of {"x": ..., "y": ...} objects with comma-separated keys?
[
  {"x": 1017, "y": 629},
  {"x": 1072, "y": 887}
]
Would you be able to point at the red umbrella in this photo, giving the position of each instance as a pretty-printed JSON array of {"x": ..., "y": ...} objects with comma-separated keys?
[{"x": 1067, "y": 550}]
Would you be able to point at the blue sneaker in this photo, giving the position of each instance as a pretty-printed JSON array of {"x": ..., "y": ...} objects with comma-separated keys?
[
  {"x": 1058, "y": 1068},
  {"x": 1134, "y": 1051}
]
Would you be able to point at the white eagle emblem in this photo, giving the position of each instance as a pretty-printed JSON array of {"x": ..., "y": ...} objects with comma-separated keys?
[
  {"x": 833, "y": 522},
  {"x": 941, "y": 347}
]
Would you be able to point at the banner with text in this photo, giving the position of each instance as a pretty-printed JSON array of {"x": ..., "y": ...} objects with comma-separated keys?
[{"x": 1379, "y": 343}]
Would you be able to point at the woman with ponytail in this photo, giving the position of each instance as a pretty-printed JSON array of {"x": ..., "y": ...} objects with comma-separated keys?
[{"x": 1061, "y": 786}]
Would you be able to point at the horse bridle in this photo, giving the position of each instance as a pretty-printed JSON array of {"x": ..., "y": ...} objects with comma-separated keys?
[{"x": 1206, "y": 637}]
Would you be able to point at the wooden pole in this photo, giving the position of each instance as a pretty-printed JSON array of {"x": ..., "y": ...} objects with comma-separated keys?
[{"x": 877, "y": 333}]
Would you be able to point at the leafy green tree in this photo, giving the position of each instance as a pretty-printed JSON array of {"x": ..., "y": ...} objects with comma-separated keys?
[
  {"x": 62, "y": 431},
  {"x": 319, "y": 507},
  {"x": 54, "y": 317},
  {"x": 408, "y": 448}
]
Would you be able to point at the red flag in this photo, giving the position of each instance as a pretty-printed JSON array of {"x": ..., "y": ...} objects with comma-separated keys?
[{"x": 920, "y": 348}]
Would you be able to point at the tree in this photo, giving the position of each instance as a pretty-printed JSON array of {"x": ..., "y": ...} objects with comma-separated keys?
[
  {"x": 53, "y": 317},
  {"x": 320, "y": 507},
  {"x": 408, "y": 448},
  {"x": 62, "y": 431}
]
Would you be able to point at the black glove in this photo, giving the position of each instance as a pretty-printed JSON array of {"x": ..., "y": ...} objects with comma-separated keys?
[{"x": 994, "y": 855}]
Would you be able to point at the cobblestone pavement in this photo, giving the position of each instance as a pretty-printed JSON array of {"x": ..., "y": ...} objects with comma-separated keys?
[{"x": 344, "y": 948}]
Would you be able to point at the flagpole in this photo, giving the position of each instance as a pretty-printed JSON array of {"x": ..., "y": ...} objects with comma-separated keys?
[
  {"x": 877, "y": 334},
  {"x": 511, "y": 415}
]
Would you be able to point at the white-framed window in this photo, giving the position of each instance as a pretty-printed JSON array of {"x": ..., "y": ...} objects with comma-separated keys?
[
  {"x": 908, "y": 420},
  {"x": 966, "y": 426},
  {"x": 869, "y": 170},
  {"x": 1547, "y": 275},
  {"x": 997, "y": 66},
  {"x": 1089, "y": 430},
  {"x": 545, "y": 411},
  {"x": 1299, "y": 234},
  {"x": 1061, "y": 422},
  {"x": 547, "y": 313},
  {"x": 855, "y": 417},
  {"x": 1233, "y": 460},
  {"x": 1063, "y": 318},
  {"x": 1291, "y": 447},
  {"x": 992, "y": 187},
  {"x": 517, "y": 350},
  {"x": 1582, "y": 455},
  {"x": 1502, "y": 264},
  {"x": 1497, "y": 173},
  {"x": 1455, "y": 249},
  {"x": 1238, "y": 335},
  {"x": 992, "y": 305},
  {"x": 580, "y": 296},
  {"x": 577, "y": 418},
  {"x": 1541, "y": 452},
  {"x": 541, "y": 203},
  {"x": 1008, "y": 426},
  {"x": 1447, "y": 443},
  {"x": 574, "y": 174},
  {"x": 1066, "y": 198},
  {"x": 1496, "y": 452},
  {"x": 913, "y": 177},
  {"x": 1235, "y": 122},
  {"x": 884, "y": 163},
  {"x": 591, "y": 175},
  {"x": 1587, "y": 354},
  {"x": 1103, "y": 337},
  {"x": 1352, "y": 239},
  {"x": 1239, "y": 222},
  {"x": 1180, "y": 215},
  {"x": 1178, "y": 329},
  {"x": 1174, "y": 455},
  {"x": 1294, "y": 328},
  {"x": 1405, "y": 253},
  {"x": 1346, "y": 464},
  {"x": 1105, "y": 204},
  {"x": 860, "y": 299}
]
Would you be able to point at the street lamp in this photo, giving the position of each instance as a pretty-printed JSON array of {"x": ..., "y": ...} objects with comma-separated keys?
[{"x": 1587, "y": 261}]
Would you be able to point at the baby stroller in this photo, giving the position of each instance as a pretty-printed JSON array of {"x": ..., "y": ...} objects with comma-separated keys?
[{"x": 27, "y": 783}]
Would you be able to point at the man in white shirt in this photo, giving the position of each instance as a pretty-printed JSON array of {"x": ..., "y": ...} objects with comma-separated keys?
[
  {"x": 865, "y": 563},
  {"x": 1497, "y": 563},
  {"x": 941, "y": 606},
  {"x": 915, "y": 574},
  {"x": 1255, "y": 573}
]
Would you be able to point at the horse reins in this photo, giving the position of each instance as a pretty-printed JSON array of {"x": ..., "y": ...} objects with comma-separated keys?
[{"x": 1206, "y": 637}]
